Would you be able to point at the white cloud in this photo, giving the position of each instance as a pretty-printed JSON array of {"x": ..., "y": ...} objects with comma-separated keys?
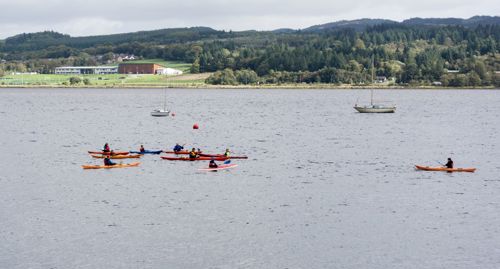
[
  {"x": 92, "y": 17},
  {"x": 89, "y": 26}
]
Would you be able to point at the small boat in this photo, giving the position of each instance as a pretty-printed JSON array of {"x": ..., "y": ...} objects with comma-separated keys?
[
  {"x": 193, "y": 159},
  {"x": 162, "y": 112},
  {"x": 109, "y": 153},
  {"x": 374, "y": 108},
  {"x": 446, "y": 169},
  {"x": 119, "y": 165},
  {"x": 147, "y": 152},
  {"x": 116, "y": 156},
  {"x": 219, "y": 167}
]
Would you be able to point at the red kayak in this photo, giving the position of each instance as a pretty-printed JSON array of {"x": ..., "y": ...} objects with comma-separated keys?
[
  {"x": 222, "y": 156},
  {"x": 193, "y": 159},
  {"x": 185, "y": 152},
  {"x": 109, "y": 153}
]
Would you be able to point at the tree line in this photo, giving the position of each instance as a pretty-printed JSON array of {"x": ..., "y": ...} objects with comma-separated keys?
[{"x": 412, "y": 55}]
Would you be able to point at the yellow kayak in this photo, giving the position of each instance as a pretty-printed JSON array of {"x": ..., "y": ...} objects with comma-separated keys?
[
  {"x": 118, "y": 165},
  {"x": 441, "y": 168},
  {"x": 116, "y": 156}
]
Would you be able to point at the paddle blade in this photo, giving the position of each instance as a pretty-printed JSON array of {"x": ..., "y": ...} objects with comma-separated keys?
[{"x": 227, "y": 162}]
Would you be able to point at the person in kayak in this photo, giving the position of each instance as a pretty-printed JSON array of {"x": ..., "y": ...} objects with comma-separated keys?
[
  {"x": 449, "y": 164},
  {"x": 226, "y": 153},
  {"x": 107, "y": 161},
  {"x": 142, "y": 149},
  {"x": 193, "y": 154},
  {"x": 178, "y": 148},
  {"x": 212, "y": 164},
  {"x": 106, "y": 148}
]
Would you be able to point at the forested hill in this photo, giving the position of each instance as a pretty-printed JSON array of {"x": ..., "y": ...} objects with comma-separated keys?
[
  {"x": 42, "y": 40},
  {"x": 363, "y": 24},
  {"x": 415, "y": 51}
]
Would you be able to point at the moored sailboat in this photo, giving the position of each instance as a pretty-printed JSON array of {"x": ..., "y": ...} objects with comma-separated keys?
[
  {"x": 162, "y": 112},
  {"x": 374, "y": 108}
]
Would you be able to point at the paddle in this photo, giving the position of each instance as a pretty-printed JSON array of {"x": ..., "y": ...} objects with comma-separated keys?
[
  {"x": 439, "y": 163},
  {"x": 227, "y": 162}
]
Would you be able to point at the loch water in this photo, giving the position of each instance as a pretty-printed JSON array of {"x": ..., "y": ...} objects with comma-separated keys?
[{"x": 324, "y": 186}]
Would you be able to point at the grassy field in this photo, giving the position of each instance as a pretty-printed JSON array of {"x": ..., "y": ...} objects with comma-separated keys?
[{"x": 115, "y": 80}]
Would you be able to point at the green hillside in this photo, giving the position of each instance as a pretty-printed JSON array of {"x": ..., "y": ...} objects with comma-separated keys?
[{"x": 414, "y": 52}]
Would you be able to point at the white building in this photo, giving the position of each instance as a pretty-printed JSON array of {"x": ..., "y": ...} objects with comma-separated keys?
[
  {"x": 168, "y": 71},
  {"x": 80, "y": 70}
]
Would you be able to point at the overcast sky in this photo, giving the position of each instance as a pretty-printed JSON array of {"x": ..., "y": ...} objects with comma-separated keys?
[{"x": 95, "y": 17}]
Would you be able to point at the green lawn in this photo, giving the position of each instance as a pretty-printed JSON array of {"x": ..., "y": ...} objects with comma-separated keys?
[{"x": 115, "y": 80}]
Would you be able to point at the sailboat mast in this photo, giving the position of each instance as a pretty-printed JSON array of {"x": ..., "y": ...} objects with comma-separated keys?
[
  {"x": 165, "y": 100},
  {"x": 373, "y": 73}
]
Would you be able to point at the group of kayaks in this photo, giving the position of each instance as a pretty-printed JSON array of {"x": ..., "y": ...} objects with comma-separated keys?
[
  {"x": 176, "y": 157},
  {"x": 207, "y": 157},
  {"x": 204, "y": 157}
]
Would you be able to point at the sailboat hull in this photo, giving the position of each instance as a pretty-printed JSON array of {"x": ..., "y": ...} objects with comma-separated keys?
[
  {"x": 375, "y": 109},
  {"x": 160, "y": 113}
]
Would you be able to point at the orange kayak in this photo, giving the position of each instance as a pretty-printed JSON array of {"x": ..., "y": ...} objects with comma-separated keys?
[
  {"x": 440, "y": 168},
  {"x": 110, "y": 166},
  {"x": 108, "y": 153},
  {"x": 116, "y": 156}
]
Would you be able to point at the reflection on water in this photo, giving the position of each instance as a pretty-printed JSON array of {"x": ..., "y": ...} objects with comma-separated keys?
[{"x": 324, "y": 187}]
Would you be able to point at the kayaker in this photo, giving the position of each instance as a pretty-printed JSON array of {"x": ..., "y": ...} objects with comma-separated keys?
[
  {"x": 226, "y": 153},
  {"x": 142, "y": 149},
  {"x": 107, "y": 161},
  {"x": 106, "y": 148},
  {"x": 212, "y": 164},
  {"x": 178, "y": 148},
  {"x": 449, "y": 164},
  {"x": 198, "y": 151},
  {"x": 193, "y": 154}
]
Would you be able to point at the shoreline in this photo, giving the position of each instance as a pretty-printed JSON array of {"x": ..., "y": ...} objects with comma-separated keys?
[{"x": 249, "y": 87}]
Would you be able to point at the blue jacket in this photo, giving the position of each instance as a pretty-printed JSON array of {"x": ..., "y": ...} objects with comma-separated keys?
[{"x": 178, "y": 148}]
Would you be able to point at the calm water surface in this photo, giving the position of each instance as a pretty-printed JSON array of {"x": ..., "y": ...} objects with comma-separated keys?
[{"x": 324, "y": 187}]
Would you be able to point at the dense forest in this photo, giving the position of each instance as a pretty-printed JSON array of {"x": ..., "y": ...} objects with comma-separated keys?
[{"x": 452, "y": 52}]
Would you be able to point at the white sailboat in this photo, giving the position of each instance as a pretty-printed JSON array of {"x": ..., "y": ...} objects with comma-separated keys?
[
  {"x": 374, "y": 108},
  {"x": 162, "y": 112}
]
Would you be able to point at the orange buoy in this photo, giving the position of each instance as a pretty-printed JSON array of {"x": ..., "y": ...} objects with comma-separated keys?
[{"x": 195, "y": 126}]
